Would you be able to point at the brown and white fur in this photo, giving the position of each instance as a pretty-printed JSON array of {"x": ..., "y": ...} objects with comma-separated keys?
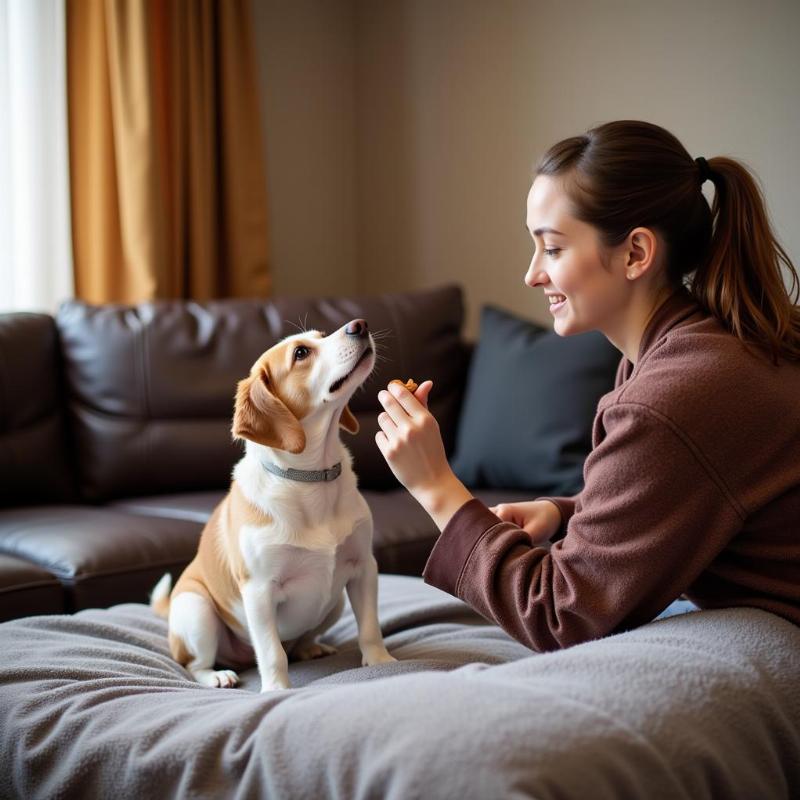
[{"x": 277, "y": 554}]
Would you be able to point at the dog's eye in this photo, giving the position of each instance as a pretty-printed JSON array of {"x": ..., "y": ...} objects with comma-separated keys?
[{"x": 301, "y": 352}]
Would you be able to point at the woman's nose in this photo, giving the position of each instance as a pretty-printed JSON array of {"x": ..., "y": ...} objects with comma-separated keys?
[{"x": 536, "y": 277}]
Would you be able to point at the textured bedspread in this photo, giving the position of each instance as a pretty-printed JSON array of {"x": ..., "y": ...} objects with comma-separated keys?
[{"x": 700, "y": 705}]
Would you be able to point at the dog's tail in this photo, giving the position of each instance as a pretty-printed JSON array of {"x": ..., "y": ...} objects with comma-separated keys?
[{"x": 159, "y": 597}]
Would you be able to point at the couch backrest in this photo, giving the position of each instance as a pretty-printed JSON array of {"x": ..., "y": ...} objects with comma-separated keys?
[
  {"x": 34, "y": 466},
  {"x": 151, "y": 386}
]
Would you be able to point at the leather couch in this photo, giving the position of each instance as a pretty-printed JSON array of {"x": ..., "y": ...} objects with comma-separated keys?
[{"x": 115, "y": 440}]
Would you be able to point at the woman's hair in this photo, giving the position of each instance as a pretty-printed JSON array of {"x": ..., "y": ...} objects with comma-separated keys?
[{"x": 626, "y": 174}]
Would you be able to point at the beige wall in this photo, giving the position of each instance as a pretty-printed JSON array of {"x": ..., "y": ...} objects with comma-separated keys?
[
  {"x": 453, "y": 101},
  {"x": 306, "y": 59}
]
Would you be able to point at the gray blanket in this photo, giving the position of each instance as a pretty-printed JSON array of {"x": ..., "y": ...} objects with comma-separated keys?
[{"x": 699, "y": 705}]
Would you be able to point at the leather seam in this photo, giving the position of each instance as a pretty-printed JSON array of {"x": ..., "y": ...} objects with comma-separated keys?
[
  {"x": 83, "y": 577},
  {"x": 53, "y": 583}
]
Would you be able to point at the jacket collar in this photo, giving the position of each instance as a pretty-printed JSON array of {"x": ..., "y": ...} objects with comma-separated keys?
[
  {"x": 679, "y": 306},
  {"x": 675, "y": 309}
]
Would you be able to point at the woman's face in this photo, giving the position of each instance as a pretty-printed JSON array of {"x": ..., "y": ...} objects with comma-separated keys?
[{"x": 583, "y": 293}]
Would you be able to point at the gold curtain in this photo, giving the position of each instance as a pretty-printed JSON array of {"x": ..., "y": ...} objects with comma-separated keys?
[{"x": 166, "y": 157}]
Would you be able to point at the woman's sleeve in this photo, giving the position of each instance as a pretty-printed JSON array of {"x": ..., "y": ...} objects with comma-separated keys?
[{"x": 652, "y": 516}]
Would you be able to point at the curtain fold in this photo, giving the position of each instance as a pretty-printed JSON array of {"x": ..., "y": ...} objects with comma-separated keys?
[{"x": 166, "y": 155}]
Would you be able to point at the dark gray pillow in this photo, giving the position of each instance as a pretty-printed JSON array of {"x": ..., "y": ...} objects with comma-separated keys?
[{"x": 530, "y": 401}]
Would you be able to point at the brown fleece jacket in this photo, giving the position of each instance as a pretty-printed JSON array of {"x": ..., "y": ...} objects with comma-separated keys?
[{"x": 692, "y": 487}]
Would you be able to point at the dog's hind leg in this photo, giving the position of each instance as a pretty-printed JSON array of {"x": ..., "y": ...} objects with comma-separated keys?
[
  {"x": 306, "y": 647},
  {"x": 194, "y": 633}
]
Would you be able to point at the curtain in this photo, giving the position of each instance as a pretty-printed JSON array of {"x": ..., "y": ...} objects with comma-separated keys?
[
  {"x": 35, "y": 246},
  {"x": 166, "y": 155}
]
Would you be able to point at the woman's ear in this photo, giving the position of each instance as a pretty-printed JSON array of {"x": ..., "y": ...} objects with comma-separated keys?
[
  {"x": 348, "y": 420},
  {"x": 263, "y": 418},
  {"x": 642, "y": 248}
]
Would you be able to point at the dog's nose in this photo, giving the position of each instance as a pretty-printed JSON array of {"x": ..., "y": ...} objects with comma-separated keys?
[{"x": 357, "y": 327}]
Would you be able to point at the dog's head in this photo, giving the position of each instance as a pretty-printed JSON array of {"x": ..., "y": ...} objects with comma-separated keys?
[{"x": 305, "y": 376}]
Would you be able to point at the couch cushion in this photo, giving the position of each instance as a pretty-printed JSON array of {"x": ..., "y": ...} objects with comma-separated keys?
[
  {"x": 100, "y": 556},
  {"x": 151, "y": 386},
  {"x": 529, "y": 406},
  {"x": 26, "y": 589},
  {"x": 403, "y": 537},
  {"x": 33, "y": 452},
  {"x": 193, "y": 506}
]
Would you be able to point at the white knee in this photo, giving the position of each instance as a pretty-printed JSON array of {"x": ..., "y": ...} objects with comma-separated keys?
[{"x": 193, "y": 619}]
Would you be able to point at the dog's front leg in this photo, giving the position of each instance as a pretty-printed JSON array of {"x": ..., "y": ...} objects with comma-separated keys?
[
  {"x": 260, "y": 606},
  {"x": 362, "y": 589}
]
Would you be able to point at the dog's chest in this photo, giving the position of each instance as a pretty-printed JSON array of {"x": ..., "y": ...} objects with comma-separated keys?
[{"x": 305, "y": 581}]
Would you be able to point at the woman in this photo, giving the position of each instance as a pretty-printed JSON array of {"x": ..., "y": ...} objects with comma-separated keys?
[{"x": 693, "y": 483}]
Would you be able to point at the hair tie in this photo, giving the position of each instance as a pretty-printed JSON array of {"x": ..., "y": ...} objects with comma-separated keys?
[{"x": 705, "y": 170}]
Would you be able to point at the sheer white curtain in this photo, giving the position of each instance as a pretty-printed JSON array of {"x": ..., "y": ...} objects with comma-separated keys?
[{"x": 35, "y": 238}]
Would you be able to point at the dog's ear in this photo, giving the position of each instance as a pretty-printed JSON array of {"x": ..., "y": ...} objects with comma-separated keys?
[
  {"x": 348, "y": 420},
  {"x": 262, "y": 417}
]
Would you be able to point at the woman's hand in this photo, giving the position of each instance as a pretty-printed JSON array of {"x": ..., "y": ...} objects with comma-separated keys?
[
  {"x": 410, "y": 441},
  {"x": 409, "y": 438},
  {"x": 539, "y": 518}
]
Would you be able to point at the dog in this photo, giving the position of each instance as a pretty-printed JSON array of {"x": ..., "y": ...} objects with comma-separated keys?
[{"x": 293, "y": 532}]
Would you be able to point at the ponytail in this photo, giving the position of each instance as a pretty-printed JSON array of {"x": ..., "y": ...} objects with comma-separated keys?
[
  {"x": 740, "y": 282},
  {"x": 625, "y": 174}
]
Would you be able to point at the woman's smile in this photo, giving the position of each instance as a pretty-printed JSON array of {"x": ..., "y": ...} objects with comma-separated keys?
[{"x": 557, "y": 302}]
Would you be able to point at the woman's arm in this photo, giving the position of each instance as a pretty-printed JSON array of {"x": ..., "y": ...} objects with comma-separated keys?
[{"x": 650, "y": 519}]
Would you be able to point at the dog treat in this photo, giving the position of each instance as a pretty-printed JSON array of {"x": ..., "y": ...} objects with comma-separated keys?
[{"x": 409, "y": 384}]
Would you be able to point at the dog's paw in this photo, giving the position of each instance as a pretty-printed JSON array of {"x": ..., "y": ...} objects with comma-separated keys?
[
  {"x": 376, "y": 655},
  {"x": 219, "y": 679},
  {"x": 313, "y": 650},
  {"x": 274, "y": 686}
]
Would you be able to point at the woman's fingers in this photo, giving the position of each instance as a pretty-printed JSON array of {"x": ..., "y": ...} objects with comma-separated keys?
[
  {"x": 412, "y": 404},
  {"x": 423, "y": 392},
  {"x": 503, "y": 511},
  {"x": 392, "y": 407},
  {"x": 401, "y": 407},
  {"x": 386, "y": 423}
]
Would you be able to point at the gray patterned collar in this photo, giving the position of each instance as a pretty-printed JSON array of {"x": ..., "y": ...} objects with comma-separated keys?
[{"x": 305, "y": 475}]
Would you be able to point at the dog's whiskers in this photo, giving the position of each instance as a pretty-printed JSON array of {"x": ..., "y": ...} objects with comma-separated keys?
[{"x": 289, "y": 322}]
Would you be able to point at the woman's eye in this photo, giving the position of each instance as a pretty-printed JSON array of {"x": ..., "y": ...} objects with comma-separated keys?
[
  {"x": 551, "y": 252},
  {"x": 301, "y": 352}
]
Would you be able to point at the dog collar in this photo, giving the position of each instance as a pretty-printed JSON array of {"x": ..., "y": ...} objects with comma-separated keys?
[{"x": 305, "y": 475}]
